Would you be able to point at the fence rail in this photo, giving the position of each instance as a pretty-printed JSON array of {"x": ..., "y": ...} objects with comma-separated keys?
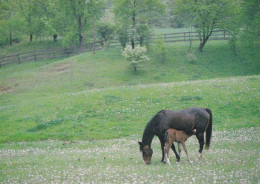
[{"x": 66, "y": 52}]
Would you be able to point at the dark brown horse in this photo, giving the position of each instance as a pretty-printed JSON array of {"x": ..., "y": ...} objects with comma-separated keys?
[{"x": 186, "y": 120}]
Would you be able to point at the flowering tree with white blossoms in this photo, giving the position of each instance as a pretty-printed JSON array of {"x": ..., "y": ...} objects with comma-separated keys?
[{"x": 136, "y": 56}]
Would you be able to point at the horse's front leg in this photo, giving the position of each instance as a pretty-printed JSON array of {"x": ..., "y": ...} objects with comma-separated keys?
[
  {"x": 161, "y": 138},
  {"x": 175, "y": 152}
]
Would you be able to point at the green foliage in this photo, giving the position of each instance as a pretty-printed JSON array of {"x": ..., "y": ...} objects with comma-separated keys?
[
  {"x": 250, "y": 22},
  {"x": 105, "y": 32},
  {"x": 205, "y": 16},
  {"x": 135, "y": 16},
  {"x": 11, "y": 23},
  {"x": 123, "y": 35},
  {"x": 135, "y": 56},
  {"x": 160, "y": 49},
  {"x": 191, "y": 57}
]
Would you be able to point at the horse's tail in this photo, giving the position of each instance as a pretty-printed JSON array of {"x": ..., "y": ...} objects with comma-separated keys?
[{"x": 209, "y": 129}]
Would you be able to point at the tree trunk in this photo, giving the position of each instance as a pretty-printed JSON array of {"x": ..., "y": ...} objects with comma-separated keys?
[
  {"x": 93, "y": 35},
  {"x": 80, "y": 32},
  {"x": 55, "y": 37},
  {"x": 133, "y": 43},
  {"x": 11, "y": 38},
  {"x": 31, "y": 37},
  {"x": 201, "y": 45},
  {"x": 133, "y": 28}
]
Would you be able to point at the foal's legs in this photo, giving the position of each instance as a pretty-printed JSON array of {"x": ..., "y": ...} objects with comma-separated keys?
[
  {"x": 185, "y": 149},
  {"x": 179, "y": 148},
  {"x": 166, "y": 152}
]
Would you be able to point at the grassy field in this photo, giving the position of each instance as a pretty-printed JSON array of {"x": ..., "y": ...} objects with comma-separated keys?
[
  {"x": 233, "y": 158},
  {"x": 77, "y": 97},
  {"x": 79, "y": 119}
]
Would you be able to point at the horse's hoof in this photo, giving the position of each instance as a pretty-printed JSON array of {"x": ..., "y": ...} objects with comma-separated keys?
[{"x": 163, "y": 161}]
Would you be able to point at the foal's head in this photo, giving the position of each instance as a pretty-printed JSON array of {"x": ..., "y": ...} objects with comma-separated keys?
[{"x": 147, "y": 153}]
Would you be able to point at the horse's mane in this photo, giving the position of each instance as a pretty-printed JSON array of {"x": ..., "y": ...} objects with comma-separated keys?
[{"x": 149, "y": 131}]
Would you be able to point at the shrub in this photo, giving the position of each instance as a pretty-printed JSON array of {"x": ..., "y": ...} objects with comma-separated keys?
[
  {"x": 191, "y": 56},
  {"x": 105, "y": 32},
  {"x": 160, "y": 50},
  {"x": 135, "y": 56}
]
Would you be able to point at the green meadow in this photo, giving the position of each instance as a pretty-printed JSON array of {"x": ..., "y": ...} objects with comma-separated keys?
[{"x": 78, "y": 119}]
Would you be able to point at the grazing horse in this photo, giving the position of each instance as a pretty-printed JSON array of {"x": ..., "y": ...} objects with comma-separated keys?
[
  {"x": 173, "y": 135},
  {"x": 186, "y": 120}
]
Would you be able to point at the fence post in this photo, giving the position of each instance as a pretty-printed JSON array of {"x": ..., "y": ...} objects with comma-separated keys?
[
  {"x": 35, "y": 56},
  {"x": 19, "y": 61}
]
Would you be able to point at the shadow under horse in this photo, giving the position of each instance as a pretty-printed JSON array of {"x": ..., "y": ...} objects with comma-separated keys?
[{"x": 186, "y": 120}]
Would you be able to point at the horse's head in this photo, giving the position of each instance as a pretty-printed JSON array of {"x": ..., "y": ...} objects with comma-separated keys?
[{"x": 147, "y": 152}]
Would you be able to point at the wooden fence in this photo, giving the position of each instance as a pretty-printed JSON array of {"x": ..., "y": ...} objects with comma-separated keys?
[{"x": 65, "y": 52}]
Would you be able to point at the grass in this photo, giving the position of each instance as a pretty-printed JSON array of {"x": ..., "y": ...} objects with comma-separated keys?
[
  {"x": 122, "y": 111},
  {"x": 233, "y": 158},
  {"x": 99, "y": 97},
  {"x": 78, "y": 120}
]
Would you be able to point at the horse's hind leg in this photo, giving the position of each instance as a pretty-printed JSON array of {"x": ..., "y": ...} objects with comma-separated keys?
[{"x": 200, "y": 137}]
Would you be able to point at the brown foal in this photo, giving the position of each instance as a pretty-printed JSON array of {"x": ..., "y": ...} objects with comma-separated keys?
[{"x": 173, "y": 135}]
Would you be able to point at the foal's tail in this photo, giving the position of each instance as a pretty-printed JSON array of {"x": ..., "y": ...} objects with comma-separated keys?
[{"x": 209, "y": 129}]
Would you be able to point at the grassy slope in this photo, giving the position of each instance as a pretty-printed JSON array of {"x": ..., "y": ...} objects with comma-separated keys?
[{"x": 95, "y": 97}]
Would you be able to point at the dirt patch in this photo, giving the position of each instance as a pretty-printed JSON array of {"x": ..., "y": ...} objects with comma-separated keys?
[
  {"x": 5, "y": 90},
  {"x": 62, "y": 67}
]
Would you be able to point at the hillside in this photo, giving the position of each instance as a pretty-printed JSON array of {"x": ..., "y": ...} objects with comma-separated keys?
[
  {"x": 99, "y": 97},
  {"x": 108, "y": 69}
]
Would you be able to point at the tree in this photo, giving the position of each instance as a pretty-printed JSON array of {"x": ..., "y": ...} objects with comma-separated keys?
[
  {"x": 131, "y": 13},
  {"x": 82, "y": 11},
  {"x": 160, "y": 50},
  {"x": 205, "y": 16},
  {"x": 32, "y": 12},
  {"x": 105, "y": 32},
  {"x": 122, "y": 32},
  {"x": 11, "y": 23},
  {"x": 135, "y": 56},
  {"x": 250, "y": 22}
]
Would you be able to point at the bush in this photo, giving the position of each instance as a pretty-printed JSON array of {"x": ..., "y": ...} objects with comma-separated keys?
[
  {"x": 191, "y": 57},
  {"x": 123, "y": 35},
  {"x": 105, "y": 32},
  {"x": 160, "y": 50},
  {"x": 135, "y": 56}
]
